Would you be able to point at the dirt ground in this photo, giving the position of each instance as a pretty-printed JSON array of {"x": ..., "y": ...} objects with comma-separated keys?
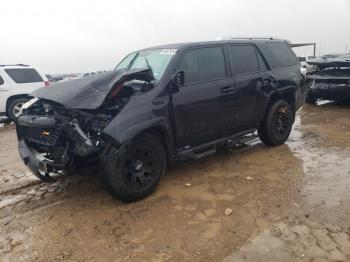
[{"x": 289, "y": 203}]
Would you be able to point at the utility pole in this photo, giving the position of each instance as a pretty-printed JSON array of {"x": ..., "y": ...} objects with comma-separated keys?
[{"x": 314, "y": 50}]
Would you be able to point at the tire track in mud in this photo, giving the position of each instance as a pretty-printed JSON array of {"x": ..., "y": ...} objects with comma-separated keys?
[
  {"x": 37, "y": 194},
  {"x": 299, "y": 240}
]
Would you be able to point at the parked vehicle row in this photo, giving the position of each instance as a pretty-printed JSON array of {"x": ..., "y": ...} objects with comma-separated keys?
[
  {"x": 18, "y": 81},
  {"x": 66, "y": 77},
  {"x": 69, "y": 77},
  {"x": 161, "y": 105},
  {"x": 305, "y": 66}
]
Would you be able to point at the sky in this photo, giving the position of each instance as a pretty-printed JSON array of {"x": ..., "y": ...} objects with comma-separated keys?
[{"x": 80, "y": 36}]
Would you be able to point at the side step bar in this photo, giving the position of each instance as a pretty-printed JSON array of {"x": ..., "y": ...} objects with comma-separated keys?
[
  {"x": 205, "y": 153},
  {"x": 209, "y": 148}
]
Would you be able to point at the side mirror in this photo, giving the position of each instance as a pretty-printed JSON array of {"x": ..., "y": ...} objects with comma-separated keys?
[{"x": 178, "y": 80}]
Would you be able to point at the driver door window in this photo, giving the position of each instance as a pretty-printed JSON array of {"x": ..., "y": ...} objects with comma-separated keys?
[{"x": 203, "y": 64}]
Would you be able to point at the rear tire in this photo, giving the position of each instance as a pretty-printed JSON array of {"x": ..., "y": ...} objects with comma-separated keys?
[
  {"x": 14, "y": 108},
  {"x": 277, "y": 124},
  {"x": 137, "y": 172}
]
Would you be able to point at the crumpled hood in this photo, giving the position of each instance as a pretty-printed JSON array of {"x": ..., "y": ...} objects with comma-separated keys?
[
  {"x": 89, "y": 92},
  {"x": 323, "y": 63}
]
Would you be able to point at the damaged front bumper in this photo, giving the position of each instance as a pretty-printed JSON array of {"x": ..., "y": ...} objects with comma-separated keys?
[
  {"x": 330, "y": 83},
  {"x": 331, "y": 91},
  {"x": 53, "y": 144},
  {"x": 37, "y": 163}
]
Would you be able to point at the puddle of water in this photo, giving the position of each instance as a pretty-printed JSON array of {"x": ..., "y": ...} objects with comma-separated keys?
[
  {"x": 326, "y": 183},
  {"x": 323, "y": 102}
]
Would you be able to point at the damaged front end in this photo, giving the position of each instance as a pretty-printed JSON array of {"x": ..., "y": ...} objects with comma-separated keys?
[
  {"x": 56, "y": 137},
  {"x": 53, "y": 139},
  {"x": 331, "y": 80}
]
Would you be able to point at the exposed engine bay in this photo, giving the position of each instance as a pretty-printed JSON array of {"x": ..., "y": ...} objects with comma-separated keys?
[{"x": 56, "y": 138}]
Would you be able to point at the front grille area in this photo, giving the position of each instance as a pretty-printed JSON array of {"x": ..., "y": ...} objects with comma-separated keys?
[
  {"x": 44, "y": 108},
  {"x": 42, "y": 136}
]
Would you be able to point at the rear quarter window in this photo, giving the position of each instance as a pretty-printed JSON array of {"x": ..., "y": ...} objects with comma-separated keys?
[
  {"x": 1, "y": 81},
  {"x": 24, "y": 75},
  {"x": 283, "y": 55}
]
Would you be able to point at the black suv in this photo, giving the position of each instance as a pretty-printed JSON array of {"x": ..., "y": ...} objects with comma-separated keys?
[{"x": 159, "y": 105}]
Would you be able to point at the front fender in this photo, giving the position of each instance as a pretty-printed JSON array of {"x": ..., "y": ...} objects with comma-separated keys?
[
  {"x": 124, "y": 133},
  {"x": 139, "y": 115}
]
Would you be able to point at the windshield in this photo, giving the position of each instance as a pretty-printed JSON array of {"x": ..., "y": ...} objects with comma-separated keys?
[{"x": 155, "y": 59}]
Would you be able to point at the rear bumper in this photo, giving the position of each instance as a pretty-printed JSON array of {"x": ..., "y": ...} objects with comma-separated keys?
[{"x": 39, "y": 165}]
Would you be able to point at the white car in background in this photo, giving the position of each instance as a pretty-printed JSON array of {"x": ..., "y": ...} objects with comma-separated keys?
[{"x": 16, "y": 82}]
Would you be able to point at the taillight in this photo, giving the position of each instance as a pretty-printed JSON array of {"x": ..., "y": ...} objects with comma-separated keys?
[{"x": 47, "y": 83}]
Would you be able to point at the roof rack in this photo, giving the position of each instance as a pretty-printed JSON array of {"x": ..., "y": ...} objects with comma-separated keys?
[
  {"x": 246, "y": 38},
  {"x": 14, "y": 65}
]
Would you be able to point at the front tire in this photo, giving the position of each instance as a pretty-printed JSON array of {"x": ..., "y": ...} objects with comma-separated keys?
[
  {"x": 137, "y": 172},
  {"x": 277, "y": 124},
  {"x": 14, "y": 109}
]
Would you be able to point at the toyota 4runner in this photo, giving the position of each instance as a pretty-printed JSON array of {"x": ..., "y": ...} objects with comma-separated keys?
[{"x": 159, "y": 105}]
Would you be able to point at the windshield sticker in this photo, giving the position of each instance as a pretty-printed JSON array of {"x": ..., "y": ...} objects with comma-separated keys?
[{"x": 168, "y": 51}]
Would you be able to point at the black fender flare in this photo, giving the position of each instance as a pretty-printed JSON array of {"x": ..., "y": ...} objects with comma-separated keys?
[
  {"x": 134, "y": 130},
  {"x": 120, "y": 138},
  {"x": 280, "y": 92},
  {"x": 125, "y": 133}
]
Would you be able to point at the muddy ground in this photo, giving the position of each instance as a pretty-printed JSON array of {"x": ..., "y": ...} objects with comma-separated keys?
[{"x": 289, "y": 203}]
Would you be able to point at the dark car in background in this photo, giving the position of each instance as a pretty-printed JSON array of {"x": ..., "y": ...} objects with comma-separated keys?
[
  {"x": 331, "y": 79},
  {"x": 160, "y": 105}
]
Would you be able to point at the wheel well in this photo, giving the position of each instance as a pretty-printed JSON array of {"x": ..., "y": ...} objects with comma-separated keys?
[
  {"x": 12, "y": 98},
  {"x": 287, "y": 96},
  {"x": 161, "y": 133}
]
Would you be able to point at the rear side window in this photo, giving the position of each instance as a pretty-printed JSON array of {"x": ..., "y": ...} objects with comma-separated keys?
[
  {"x": 203, "y": 64},
  {"x": 283, "y": 54},
  {"x": 243, "y": 59},
  {"x": 1, "y": 81},
  {"x": 24, "y": 75}
]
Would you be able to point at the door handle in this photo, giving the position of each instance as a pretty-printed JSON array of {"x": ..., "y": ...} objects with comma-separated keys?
[{"x": 227, "y": 89}]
